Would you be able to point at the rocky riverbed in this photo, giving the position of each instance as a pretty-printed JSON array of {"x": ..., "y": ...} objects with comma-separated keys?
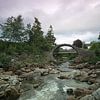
[{"x": 50, "y": 82}]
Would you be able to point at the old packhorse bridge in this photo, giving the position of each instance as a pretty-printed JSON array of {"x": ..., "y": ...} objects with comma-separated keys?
[{"x": 75, "y": 50}]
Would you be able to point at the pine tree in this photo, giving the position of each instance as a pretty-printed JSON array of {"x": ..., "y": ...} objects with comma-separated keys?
[
  {"x": 12, "y": 29},
  {"x": 29, "y": 34},
  {"x": 50, "y": 37},
  {"x": 37, "y": 34}
]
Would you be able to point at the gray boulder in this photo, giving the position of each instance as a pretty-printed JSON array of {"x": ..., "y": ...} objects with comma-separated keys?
[{"x": 94, "y": 96}]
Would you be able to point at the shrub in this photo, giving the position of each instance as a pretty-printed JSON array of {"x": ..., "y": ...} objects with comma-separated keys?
[
  {"x": 95, "y": 47},
  {"x": 5, "y": 61}
]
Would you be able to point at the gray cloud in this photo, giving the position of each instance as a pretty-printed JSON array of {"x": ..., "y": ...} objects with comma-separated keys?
[{"x": 79, "y": 17}]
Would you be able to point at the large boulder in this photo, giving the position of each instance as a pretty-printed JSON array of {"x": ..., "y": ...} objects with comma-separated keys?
[
  {"x": 77, "y": 74},
  {"x": 11, "y": 93},
  {"x": 94, "y": 96},
  {"x": 42, "y": 71},
  {"x": 30, "y": 76},
  {"x": 94, "y": 86},
  {"x": 81, "y": 66},
  {"x": 81, "y": 92}
]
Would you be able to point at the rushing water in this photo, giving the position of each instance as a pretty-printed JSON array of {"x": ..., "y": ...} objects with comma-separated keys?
[{"x": 54, "y": 88}]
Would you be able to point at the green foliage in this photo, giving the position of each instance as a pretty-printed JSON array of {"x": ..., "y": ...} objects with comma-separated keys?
[
  {"x": 95, "y": 47},
  {"x": 29, "y": 32},
  {"x": 17, "y": 40},
  {"x": 94, "y": 60},
  {"x": 5, "y": 61},
  {"x": 50, "y": 38},
  {"x": 13, "y": 28},
  {"x": 37, "y": 37}
]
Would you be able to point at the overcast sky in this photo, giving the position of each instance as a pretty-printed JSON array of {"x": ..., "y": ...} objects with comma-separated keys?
[{"x": 71, "y": 19}]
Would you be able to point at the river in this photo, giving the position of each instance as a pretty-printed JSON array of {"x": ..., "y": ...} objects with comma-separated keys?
[{"x": 54, "y": 88}]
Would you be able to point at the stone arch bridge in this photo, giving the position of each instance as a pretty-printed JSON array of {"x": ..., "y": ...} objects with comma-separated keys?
[{"x": 79, "y": 51}]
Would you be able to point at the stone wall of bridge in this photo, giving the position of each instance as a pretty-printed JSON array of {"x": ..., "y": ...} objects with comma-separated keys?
[{"x": 82, "y": 54}]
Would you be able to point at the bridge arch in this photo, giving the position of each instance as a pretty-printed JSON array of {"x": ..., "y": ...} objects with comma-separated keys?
[{"x": 61, "y": 45}]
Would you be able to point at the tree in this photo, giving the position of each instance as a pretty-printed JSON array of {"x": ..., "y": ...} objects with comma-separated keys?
[
  {"x": 50, "y": 37},
  {"x": 13, "y": 29},
  {"x": 37, "y": 34},
  {"x": 29, "y": 34},
  {"x": 95, "y": 46},
  {"x": 78, "y": 43}
]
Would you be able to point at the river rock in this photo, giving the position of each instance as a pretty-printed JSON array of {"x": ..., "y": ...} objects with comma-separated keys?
[
  {"x": 87, "y": 97},
  {"x": 78, "y": 92},
  {"x": 77, "y": 74},
  {"x": 94, "y": 86},
  {"x": 86, "y": 70},
  {"x": 9, "y": 87},
  {"x": 18, "y": 72},
  {"x": 74, "y": 74},
  {"x": 98, "y": 65},
  {"x": 92, "y": 71},
  {"x": 25, "y": 69},
  {"x": 42, "y": 71},
  {"x": 70, "y": 91},
  {"x": 8, "y": 73},
  {"x": 92, "y": 67},
  {"x": 81, "y": 92},
  {"x": 94, "y": 96},
  {"x": 91, "y": 81},
  {"x": 63, "y": 75},
  {"x": 53, "y": 71},
  {"x": 81, "y": 66},
  {"x": 71, "y": 98},
  {"x": 11, "y": 93},
  {"x": 28, "y": 70},
  {"x": 31, "y": 76},
  {"x": 1, "y": 70},
  {"x": 98, "y": 72}
]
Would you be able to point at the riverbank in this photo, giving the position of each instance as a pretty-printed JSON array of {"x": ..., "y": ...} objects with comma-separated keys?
[{"x": 50, "y": 82}]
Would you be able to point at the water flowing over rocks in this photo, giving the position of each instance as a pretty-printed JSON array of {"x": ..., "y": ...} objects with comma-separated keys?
[
  {"x": 62, "y": 82},
  {"x": 52, "y": 86},
  {"x": 48, "y": 82}
]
